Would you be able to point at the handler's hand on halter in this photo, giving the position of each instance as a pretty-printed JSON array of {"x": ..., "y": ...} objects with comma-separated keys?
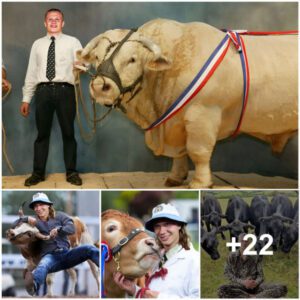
[
  {"x": 32, "y": 221},
  {"x": 151, "y": 294},
  {"x": 125, "y": 284},
  {"x": 78, "y": 66},
  {"x": 53, "y": 233}
]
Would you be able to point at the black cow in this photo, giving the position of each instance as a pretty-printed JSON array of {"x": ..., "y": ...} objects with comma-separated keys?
[
  {"x": 237, "y": 216},
  {"x": 281, "y": 212},
  {"x": 259, "y": 208},
  {"x": 209, "y": 242},
  {"x": 290, "y": 232},
  {"x": 212, "y": 213}
]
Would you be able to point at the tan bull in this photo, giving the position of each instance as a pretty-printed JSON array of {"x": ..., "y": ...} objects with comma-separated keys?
[
  {"x": 135, "y": 258},
  {"x": 166, "y": 56}
]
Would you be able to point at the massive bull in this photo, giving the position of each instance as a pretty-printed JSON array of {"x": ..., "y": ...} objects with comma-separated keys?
[{"x": 158, "y": 61}]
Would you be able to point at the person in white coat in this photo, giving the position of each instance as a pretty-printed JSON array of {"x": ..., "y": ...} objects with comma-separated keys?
[{"x": 179, "y": 275}]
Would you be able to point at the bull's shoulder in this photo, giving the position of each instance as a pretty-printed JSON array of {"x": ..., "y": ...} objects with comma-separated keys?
[{"x": 166, "y": 25}]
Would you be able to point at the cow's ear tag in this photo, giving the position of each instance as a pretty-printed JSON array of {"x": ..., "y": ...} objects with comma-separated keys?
[{"x": 159, "y": 64}]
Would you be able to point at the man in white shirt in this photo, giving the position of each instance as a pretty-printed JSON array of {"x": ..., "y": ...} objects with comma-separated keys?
[
  {"x": 179, "y": 275},
  {"x": 50, "y": 79}
]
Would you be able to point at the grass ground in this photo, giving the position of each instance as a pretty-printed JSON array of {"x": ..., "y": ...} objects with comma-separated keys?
[{"x": 278, "y": 268}]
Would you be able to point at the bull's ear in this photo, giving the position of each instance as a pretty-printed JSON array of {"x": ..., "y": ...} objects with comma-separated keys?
[
  {"x": 85, "y": 57},
  {"x": 160, "y": 63},
  {"x": 86, "y": 54}
]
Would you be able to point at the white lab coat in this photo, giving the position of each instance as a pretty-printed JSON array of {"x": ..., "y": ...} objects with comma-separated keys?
[{"x": 183, "y": 277}]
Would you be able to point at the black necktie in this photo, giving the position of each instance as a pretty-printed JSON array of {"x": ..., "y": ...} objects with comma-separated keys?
[{"x": 50, "y": 72}]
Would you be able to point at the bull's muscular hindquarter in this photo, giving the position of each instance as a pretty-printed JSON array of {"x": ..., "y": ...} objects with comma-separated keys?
[{"x": 271, "y": 113}]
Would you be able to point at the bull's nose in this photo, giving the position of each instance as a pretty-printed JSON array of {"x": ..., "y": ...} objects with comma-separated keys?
[
  {"x": 10, "y": 233},
  {"x": 150, "y": 242},
  {"x": 106, "y": 87}
]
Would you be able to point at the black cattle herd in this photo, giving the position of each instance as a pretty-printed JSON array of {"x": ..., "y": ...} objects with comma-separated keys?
[{"x": 279, "y": 218}]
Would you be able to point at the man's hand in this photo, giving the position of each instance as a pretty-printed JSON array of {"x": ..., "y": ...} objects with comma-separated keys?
[
  {"x": 151, "y": 294},
  {"x": 24, "y": 109},
  {"x": 32, "y": 221},
  {"x": 249, "y": 284},
  {"x": 5, "y": 85},
  {"x": 79, "y": 66},
  {"x": 125, "y": 284},
  {"x": 53, "y": 233}
]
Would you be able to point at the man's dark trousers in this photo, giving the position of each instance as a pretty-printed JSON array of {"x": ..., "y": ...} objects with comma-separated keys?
[{"x": 59, "y": 98}]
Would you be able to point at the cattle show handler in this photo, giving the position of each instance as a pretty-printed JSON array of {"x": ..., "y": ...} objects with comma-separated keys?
[
  {"x": 50, "y": 79},
  {"x": 179, "y": 275},
  {"x": 56, "y": 253}
]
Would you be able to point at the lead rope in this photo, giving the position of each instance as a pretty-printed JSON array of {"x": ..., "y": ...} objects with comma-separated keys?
[
  {"x": 4, "y": 149},
  {"x": 87, "y": 136}
]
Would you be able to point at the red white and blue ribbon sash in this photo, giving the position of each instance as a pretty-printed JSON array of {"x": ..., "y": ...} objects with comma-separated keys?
[
  {"x": 197, "y": 84},
  {"x": 106, "y": 256},
  {"x": 209, "y": 68},
  {"x": 240, "y": 47}
]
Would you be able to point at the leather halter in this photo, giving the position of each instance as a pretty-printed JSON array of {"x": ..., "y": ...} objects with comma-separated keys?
[
  {"x": 125, "y": 240},
  {"x": 107, "y": 69}
]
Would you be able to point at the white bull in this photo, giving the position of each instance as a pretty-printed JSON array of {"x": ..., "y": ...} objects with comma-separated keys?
[{"x": 168, "y": 55}]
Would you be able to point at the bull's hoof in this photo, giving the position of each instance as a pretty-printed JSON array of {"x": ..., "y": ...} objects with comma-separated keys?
[
  {"x": 198, "y": 185},
  {"x": 173, "y": 182}
]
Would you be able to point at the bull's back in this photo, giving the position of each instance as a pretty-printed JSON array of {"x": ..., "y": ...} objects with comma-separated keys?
[{"x": 273, "y": 64}]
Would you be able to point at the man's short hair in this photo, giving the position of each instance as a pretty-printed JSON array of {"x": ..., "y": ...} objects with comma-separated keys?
[{"x": 54, "y": 10}]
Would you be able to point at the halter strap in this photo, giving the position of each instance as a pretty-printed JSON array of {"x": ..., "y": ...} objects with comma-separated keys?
[{"x": 125, "y": 240}]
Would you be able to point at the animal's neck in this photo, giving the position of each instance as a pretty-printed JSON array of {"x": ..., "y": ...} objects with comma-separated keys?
[
  {"x": 111, "y": 288},
  {"x": 31, "y": 251},
  {"x": 144, "y": 108}
]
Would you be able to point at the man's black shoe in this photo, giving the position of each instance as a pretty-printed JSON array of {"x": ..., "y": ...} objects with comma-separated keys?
[
  {"x": 74, "y": 178},
  {"x": 29, "y": 283},
  {"x": 34, "y": 179}
]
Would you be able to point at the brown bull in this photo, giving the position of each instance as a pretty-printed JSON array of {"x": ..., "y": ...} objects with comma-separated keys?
[{"x": 138, "y": 256}]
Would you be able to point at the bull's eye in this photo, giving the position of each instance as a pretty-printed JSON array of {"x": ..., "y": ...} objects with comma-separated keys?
[
  {"x": 111, "y": 228},
  {"x": 132, "y": 60}
]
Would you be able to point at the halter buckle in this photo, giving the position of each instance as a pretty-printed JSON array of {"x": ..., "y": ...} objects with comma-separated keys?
[{"x": 123, "y": 241}]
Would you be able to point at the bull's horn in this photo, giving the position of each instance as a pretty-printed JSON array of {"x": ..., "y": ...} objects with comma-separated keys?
[
  {"x": 151, "y": 46},
  {"x": 21, "y": 211},
  {"x": 286, "y": 219}
]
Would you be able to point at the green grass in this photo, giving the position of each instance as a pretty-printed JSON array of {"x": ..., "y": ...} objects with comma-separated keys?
[{"x": 278, "y": 268}]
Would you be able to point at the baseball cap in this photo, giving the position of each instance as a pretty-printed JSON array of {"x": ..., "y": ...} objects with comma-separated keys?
[
  {"x": 167, "y": 211},
  {"x": 39, "y": 197}
]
